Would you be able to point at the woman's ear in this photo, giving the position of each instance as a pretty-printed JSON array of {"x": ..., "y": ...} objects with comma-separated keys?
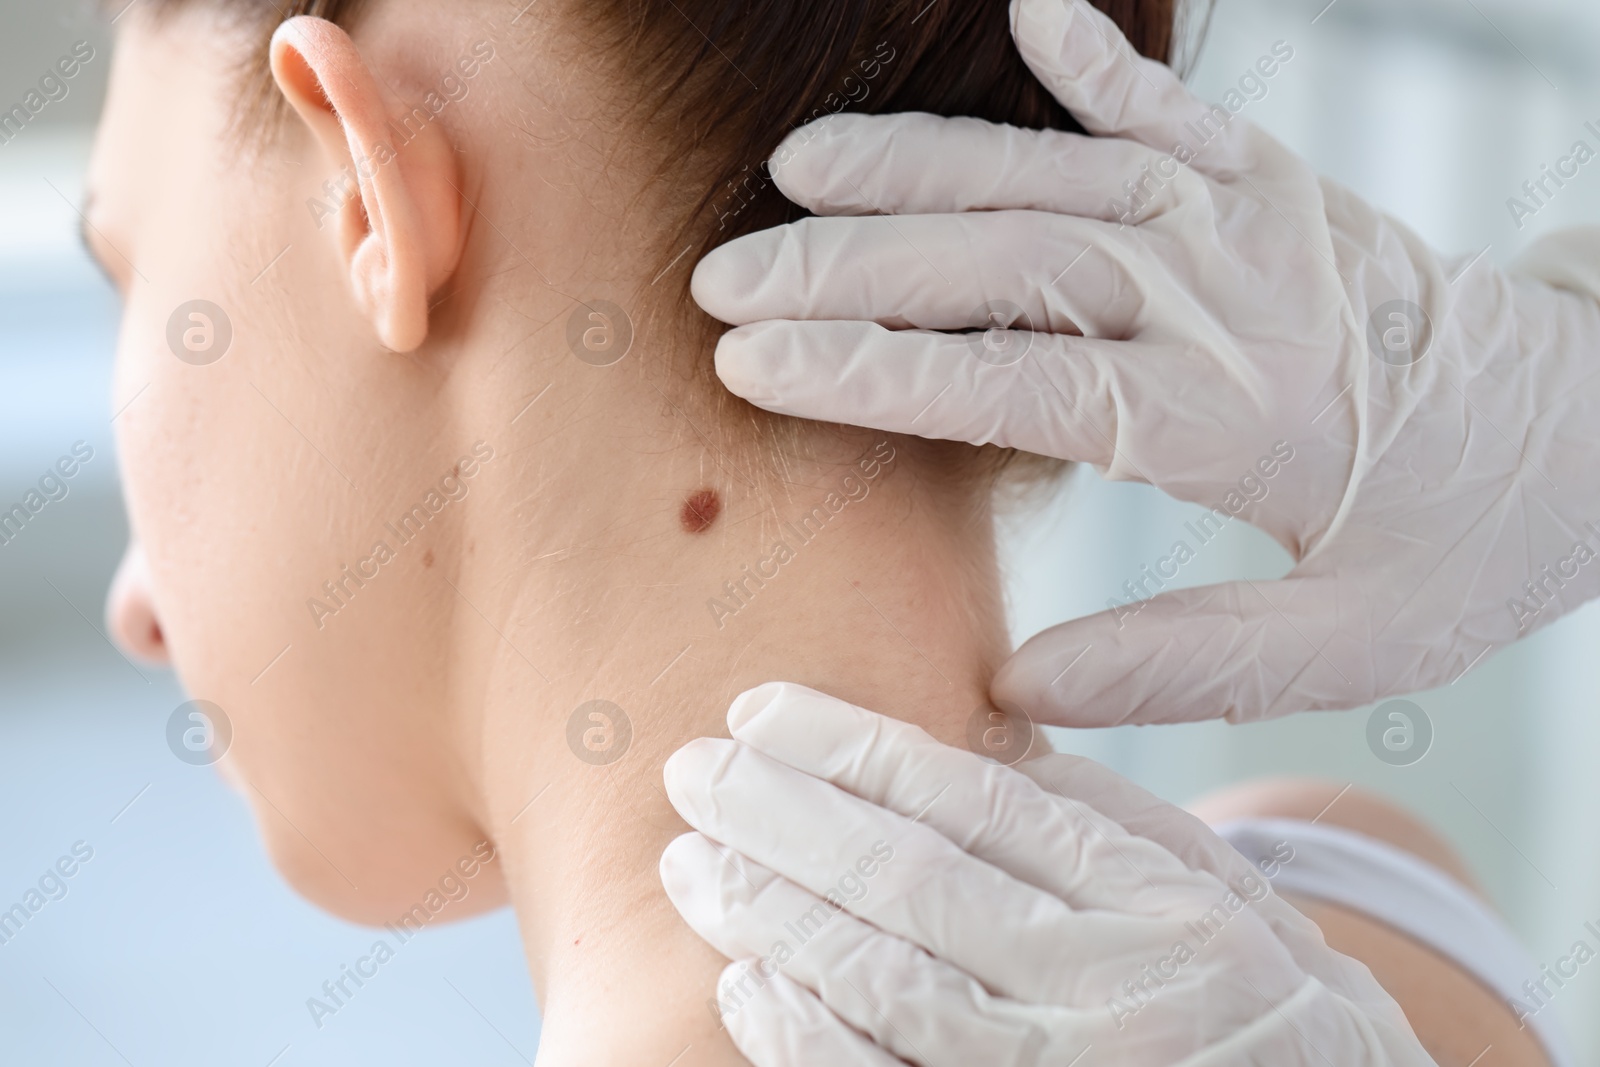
[{"x": 402, "y": 240}]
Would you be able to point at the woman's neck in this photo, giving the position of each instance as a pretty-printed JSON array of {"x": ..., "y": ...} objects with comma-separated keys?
[{"x": 849, "y": 581}]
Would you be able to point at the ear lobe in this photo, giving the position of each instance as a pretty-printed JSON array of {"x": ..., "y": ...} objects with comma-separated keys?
[{"x": 402, "y": 240}]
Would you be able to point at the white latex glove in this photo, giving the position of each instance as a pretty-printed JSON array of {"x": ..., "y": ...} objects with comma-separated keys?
[
  {"x": 1231, "y": 322},
  {"x": 986, "y": 916}
]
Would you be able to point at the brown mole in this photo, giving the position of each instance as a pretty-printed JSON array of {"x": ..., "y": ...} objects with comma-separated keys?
[{"x": 700, "y": 510}]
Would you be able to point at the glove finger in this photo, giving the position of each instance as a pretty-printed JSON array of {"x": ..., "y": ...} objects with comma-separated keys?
[
  {"x": 911, "y": 1004},
  {"x": 1069, "y": 850},
  {"x": 928, "y": 1012},
  {"x": 1018, "y": 941},
  {"x": 787, "y": 1026},
  {"x": 1240, "y": 651},
  {"x": 1088, "y": 65},
  {"x": 856, "y": 164},
  {"x": 939, "y": 272},
  {"x": 1076, "y": 779},
  {"x": 1063, "y": 396}
]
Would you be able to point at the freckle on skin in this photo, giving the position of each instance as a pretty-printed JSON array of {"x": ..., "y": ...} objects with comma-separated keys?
[
  {"x": 427, "y": 558},
  {"x": 700, "y": 510}
]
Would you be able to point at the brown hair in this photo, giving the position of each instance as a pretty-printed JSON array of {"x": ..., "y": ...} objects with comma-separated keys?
[{"x": 736, "y": 78}]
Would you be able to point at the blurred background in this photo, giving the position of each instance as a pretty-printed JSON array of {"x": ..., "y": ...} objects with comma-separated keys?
[{"x": 176, "y": 944}]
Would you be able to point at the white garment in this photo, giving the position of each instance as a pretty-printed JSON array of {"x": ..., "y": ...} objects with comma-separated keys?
[{"x": 1376, "y": 879}]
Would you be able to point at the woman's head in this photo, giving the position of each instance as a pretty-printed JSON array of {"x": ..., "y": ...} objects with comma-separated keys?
[{"x": 409, "y": 397}]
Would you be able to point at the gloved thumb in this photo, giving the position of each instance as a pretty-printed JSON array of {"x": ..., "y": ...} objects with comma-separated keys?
[{"x": 1240, "y": 651}]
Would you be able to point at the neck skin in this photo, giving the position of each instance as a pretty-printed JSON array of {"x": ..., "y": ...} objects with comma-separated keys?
[
  {"x": 594, "y": 580},
  {"x": 583, "y": 584}
]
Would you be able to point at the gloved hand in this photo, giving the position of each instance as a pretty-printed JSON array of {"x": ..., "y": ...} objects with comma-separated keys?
[
  {"x": 1417, "y": 431},
  {"x": 981, "y": 915}
]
